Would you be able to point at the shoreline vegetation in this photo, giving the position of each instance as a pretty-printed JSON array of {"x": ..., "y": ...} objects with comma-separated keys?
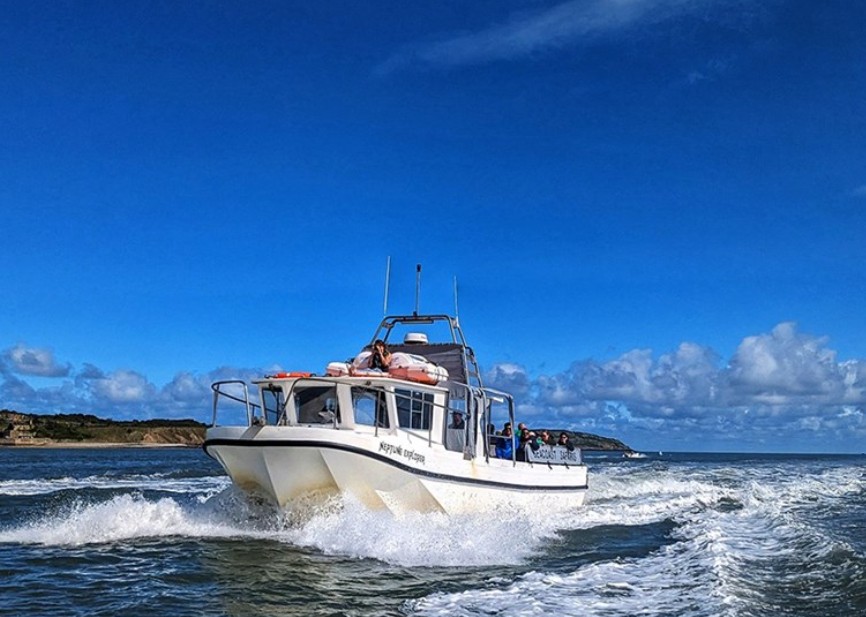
[{"x": 88, "y": 431}]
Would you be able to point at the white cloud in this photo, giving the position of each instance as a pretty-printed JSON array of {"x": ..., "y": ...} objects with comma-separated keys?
[
  {"x": 558, "y": 26},
  {"x": 186, "y": 387},
  {"x": 15, "y": 390},
  {"x": 121, "y": 387},
  {"x": 787, "y": 367},
  {"x": 783, "y": 383},
  {"x": 508, "y": 377},
  {"x": 779, "y": 385},
  {"x": 120, "y": 394},
  {"x": 34, "y": 361}
]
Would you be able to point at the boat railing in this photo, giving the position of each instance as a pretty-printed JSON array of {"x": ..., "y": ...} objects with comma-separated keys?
[
  {"x": 487, "y": 396},
  {"x": 483, "y": 397},
  {"x": 218, "y": 392}
]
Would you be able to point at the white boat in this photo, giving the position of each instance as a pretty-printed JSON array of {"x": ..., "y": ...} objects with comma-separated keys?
[{"x": 386, "y": 437}]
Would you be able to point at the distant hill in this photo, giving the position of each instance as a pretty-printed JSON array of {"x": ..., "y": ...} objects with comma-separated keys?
[
  {"x": 588, "y": 441},
  {"x": 36, "y": 429}
]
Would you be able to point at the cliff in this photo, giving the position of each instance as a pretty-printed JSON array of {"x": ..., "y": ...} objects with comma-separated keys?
[
  {"x": 36, "y": 429},
  {"x": 588, "y": 441}
]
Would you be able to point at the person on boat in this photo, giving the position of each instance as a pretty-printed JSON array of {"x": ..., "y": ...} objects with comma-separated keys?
[
  {"x": 505, "y": 444},
  {"x": 521, "y": 429},
  {"x": 381, "y": 357},
  {"x": 527, "y": 440},
  {"x": 565, "y": 441},
  {"x": 546, "y": 438},
  {"x": 457, "y": 420}
]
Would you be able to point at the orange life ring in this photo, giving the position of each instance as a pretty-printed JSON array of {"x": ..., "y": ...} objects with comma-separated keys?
[{"x": 291, "y": 375}]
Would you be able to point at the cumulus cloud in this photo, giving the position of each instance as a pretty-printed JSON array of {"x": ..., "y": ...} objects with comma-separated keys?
[
  {"x": 526, "y": 33},
  {"x": 122, "y": 387},
  {"x": 14, "y": 390},
  {"x": 786, "y": 366},
  {"x": 34, "y": 361},
  {"x": 781, "y": 381},
  {"x": 115, "y": 394},
  {"x": 777, "y": 386},
  {"x": 508, "y": 377}
]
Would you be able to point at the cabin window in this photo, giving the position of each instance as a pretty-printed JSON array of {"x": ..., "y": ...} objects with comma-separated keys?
[
  {"x": 414, "y": 409},
  {"x": 273, "y": 404},
  {"x": 316, "y": 405},
  {"x": 370, "y": 407},
  {"x": 457, "y": 423}
]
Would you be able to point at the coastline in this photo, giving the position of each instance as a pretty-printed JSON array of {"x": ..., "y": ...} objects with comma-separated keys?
[{"x": 84, "y": 445}]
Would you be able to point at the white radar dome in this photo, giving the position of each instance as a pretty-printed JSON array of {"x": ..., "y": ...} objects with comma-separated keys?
[{"x": 415, "y": 338}]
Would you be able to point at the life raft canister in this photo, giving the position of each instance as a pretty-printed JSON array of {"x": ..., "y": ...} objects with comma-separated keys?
[{"x": 290, "y": 375}]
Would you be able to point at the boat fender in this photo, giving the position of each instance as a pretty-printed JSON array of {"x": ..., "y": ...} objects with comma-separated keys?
[{"x": 338, "y": 369}]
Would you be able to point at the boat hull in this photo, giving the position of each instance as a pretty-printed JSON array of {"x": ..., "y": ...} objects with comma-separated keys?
[{"x": 289, "y": 465}]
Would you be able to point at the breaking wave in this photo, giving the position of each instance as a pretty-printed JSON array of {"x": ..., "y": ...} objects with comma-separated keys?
[
  {"x": 743, "y": 543},
  {"x": 652, "y": 539}
]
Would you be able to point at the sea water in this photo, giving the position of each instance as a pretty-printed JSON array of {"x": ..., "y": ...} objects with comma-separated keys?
[{"x": 161, "y": 531}]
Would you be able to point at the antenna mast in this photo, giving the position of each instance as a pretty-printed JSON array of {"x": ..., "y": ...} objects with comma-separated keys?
[
  {"x": 456, "y": 309},
  {"x": 417, "y": 288},
  {"x": 387, "y": 282}
]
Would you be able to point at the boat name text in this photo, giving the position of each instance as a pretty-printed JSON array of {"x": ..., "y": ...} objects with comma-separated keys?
[
  {"x": 554, "y": 455},
  {"x": 409, "y": 455}
]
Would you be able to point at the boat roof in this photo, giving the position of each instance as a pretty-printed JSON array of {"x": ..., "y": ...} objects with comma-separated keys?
[{"x": 454, "y": 355}]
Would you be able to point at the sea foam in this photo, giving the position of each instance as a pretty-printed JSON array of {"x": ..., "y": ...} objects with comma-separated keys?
[
  {"x": 722, "y": 560},
  {"x": 156, "y": 482}
]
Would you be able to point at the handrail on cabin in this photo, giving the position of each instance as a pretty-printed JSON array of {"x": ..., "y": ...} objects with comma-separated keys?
[{"x": 217, "y": 392}]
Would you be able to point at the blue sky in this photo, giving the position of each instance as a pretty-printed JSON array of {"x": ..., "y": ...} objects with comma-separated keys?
[{"x": 655, "y": 208}]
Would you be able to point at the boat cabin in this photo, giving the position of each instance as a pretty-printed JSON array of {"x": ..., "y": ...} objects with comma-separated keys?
[
  {"x": 452, "y": 412},
  {"x": 383, "y": 405},
  {"x": 447, "y": 407}
]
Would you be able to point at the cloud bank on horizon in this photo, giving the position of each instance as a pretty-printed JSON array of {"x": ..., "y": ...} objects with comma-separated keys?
[
  {"x": 566, "y": 24},
  {"x": 783, "y": 385}
]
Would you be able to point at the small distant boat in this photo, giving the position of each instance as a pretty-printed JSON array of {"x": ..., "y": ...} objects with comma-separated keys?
[
  {"x": 633, "y": 454},
  {"x": 389, "y": 437}
]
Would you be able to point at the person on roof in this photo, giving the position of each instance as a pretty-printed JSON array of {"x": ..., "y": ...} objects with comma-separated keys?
[{"x": 380, "y": 358}]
